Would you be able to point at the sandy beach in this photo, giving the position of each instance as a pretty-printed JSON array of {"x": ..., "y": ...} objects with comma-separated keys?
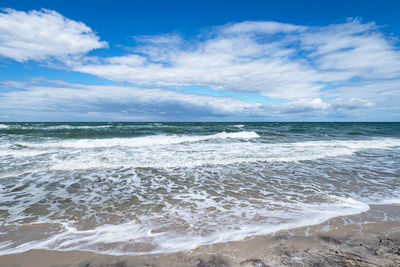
[{"x": 366, "y": 239}]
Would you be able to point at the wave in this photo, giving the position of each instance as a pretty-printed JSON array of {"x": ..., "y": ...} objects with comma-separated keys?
[
  {"x": 174, "y": 191},
  {"x": 142, "y": 141},
  {"x": 3, "y": 126},
  {"x": 185, "y": 151},
  {"x": 59, "y": 127},
  {"x": 199, "y": 154},
  {"x": 19, "y": 153},
  {"x": 133, "y": 235}
]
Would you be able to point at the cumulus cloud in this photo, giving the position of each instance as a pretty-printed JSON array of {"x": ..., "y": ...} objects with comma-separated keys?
[
  {"x": 317, "y": 104},
  {"x": 231, "y": 59},
  {"x": 355, "y": 49},
  {"x": 352, "y": 103},
  {"x": 42, "y": 35},
  {"x": 339, "y": 68},
  {"x": 304, "y": 105},
  {"x": 273, "y": 59},
  {"x": 56, "y": 96},
  {"x": 128, "y": 102}
]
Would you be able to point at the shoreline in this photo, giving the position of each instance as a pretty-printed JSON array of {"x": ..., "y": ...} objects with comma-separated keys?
[{"x": 364, "y": 239}]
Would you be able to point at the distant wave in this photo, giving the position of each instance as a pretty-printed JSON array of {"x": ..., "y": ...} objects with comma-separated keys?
[
  {"x": 58, "y": 127},
  {"x": 142, "y": 141},
  {"x": 76, "y": 127}
]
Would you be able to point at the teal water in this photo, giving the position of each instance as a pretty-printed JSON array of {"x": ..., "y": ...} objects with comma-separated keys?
[
  {"x": 275, "y": 130},
  {"x": 128, "y": 188}
]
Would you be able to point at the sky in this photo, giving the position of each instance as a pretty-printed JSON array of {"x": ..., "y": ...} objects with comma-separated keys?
[{"x": 199, "y": 60}]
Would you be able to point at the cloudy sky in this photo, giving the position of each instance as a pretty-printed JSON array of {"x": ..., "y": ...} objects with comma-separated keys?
[{"x": 199, "y": 61}]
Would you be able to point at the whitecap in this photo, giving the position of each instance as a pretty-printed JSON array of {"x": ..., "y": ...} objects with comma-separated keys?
[{"x": 151, "y": 140}]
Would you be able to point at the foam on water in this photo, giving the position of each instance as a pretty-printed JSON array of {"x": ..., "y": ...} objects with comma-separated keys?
[
  {"x": 18, "y": 153},
  {"x": 77, "y": 127},
  {"x": 118, "y": 239},
  {"x": 142, "y": 141},
  {"x": 181, "y": 188},
  {"x": 57, "y": 127},
  {"x": 174, "y": 151}
]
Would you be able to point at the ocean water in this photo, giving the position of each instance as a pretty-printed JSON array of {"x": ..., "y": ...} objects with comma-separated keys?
[{"x": 138, "y": 188}]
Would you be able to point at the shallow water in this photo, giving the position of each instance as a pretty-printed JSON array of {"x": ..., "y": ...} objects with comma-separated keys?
[{"x": 125, "y": 188}]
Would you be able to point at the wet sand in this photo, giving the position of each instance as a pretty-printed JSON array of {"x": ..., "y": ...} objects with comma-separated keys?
[{"x": 368, "y": 239}]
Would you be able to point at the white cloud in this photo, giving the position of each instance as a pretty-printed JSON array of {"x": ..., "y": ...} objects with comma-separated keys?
[
  {"x": 44, "y": 34},
  {"x": 237, "y": 63},
  {"x": 377, "y": 94},
  {"x": 41, "y": 96},
  {"x": 261, "y": 27},
  {"x": 319, "y": 70},
  {"x": 358, "y": 50},
  {"x": 352, "y": 103},
  {"x": 55, "y": 96},
  {"x": 304, "y": 105},
  {"x": 317, "y": 104},
  {"x": 273, "y": 59}
]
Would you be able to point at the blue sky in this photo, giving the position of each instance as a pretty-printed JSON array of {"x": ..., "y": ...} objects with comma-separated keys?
[{"x": 199, "y": 61}]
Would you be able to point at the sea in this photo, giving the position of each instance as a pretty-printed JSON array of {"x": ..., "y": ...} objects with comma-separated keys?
[{"x": 141, "y": 188}]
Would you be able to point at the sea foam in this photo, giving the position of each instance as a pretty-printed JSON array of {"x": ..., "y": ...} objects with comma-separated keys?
[
  {"x": 158, "y": 188},
  {"x": 121, "y": 239},
  {"x": 151, "y": 140}
]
